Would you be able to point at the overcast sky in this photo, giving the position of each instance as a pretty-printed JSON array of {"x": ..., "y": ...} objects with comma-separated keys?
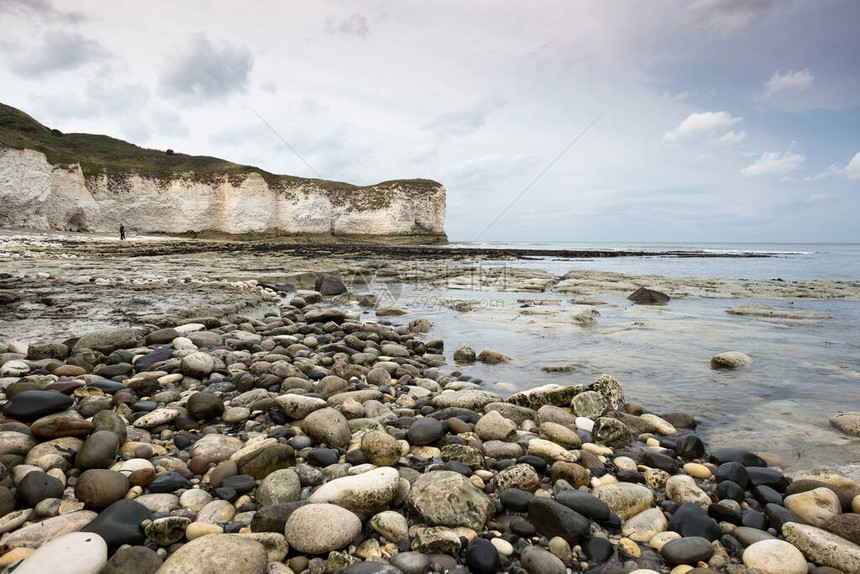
[{"x": 723, "y": 120}]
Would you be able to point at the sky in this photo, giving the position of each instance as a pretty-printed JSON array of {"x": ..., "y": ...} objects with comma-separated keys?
[{"x": 621, "y": 121}]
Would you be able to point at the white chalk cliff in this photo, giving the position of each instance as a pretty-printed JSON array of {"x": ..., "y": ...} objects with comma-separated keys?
[{"x": 36, "y": 194}]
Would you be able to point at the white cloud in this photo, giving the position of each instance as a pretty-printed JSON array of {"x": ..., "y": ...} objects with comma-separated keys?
[
  {"x": 774, "y": 163},
  {"x": 791, "y": 80},
  {"x": 706, "y": 124},
  {"x": 852, "y": 171},
  {"x": 731, "y": 138},
  {"x": 730, "y": 16},
  {"x": 818, "y": 198}
]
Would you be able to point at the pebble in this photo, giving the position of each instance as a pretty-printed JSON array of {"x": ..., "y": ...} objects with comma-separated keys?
[
  {"x": 687, "y": 550},
  {"x": 775, "y": 557},
  {"x": 217, "y": 553},
  {"x": 321, "y": 528},
  {"x": 74, "y": 553}
]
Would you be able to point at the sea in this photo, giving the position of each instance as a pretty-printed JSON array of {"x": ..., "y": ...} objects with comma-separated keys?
[{"x": 804, "y": 371}]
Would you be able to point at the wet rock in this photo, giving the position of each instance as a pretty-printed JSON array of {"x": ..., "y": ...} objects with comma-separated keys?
[
  {"x": 328, "y": 284},
  {"x": 730, "y": 360},
  {"x": 491, "y": 357},
  {"x": 847, "y": 422},
  {"x": 645, "y": 296},
  {"x": 465, "y": 354}
]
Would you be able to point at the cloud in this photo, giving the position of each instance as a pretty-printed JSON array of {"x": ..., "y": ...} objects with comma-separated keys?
[
  {"x": 59, "y": 51},
  {"x": 774, "y": 163},
  {"x": 706, "y": 124},
  {"x": 791, "y": 80},
  {"x": 818, "y": 198},
  {"x": 730, "y": 138},
  {"x": 42, "y": 9},
  {"x": 852, "y": 170},
  {"x": 353, "y": 25},
  {"x": 731, "y": 16},
  {"x": 269, "y": 87},
  {"x": 463, "y": 121},
  {"x": 206, "y": 72}
]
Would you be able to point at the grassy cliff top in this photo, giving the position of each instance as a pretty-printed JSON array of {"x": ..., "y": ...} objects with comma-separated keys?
[{"x": 98, "y": 154}]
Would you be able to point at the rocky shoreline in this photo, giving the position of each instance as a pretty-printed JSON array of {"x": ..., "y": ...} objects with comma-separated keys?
[{"x": 310, "y": 441}]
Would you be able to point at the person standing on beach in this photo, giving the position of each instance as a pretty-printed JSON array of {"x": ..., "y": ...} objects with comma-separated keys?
[{"x": 121, "y": 232}]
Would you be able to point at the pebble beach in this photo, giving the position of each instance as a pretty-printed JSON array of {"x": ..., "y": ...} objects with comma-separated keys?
[{"x": 164, "y": 419}]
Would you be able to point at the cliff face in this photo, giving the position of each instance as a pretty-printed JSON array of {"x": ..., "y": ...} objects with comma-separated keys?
[
  {"x": 50, "y": 180},
  {"x": 39, "y": 195}
]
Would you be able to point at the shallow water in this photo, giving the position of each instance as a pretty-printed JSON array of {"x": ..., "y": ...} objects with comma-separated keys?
[{"x": 803, "y": 371}]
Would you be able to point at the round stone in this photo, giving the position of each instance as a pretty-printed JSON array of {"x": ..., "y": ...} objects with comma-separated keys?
[
  {"x": 133, "y": 560},
  {"x": 36, "y": 486},
  {"x": 167, "y": 530},
  {"x": 329, "y": 426},
  {"x": 217, "y": 553},
  {"x": 690, "y": 550},
  {"x": 321, "y": 528},
  {"x": 204, "y": 405},
  {"x": 482, "y": 557},
  {"x": 197, "y": 365},
  {"x": 98, "y": 451},
  {"x": 775, "y": 557},
  {"x": 99, "y": 488},
  {"x": 425, "y": 431},
  {"x": 75, "y": 553},
  {"x": 380, "y": 448}
]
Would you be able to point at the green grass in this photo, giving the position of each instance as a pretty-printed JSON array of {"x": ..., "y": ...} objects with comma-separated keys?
[{"x": 103, "y": 155}]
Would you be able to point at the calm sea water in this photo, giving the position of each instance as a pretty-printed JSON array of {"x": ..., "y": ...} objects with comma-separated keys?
[
  {"x": 803, "y": 371},
  {"x": 790, "y": 262}
]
